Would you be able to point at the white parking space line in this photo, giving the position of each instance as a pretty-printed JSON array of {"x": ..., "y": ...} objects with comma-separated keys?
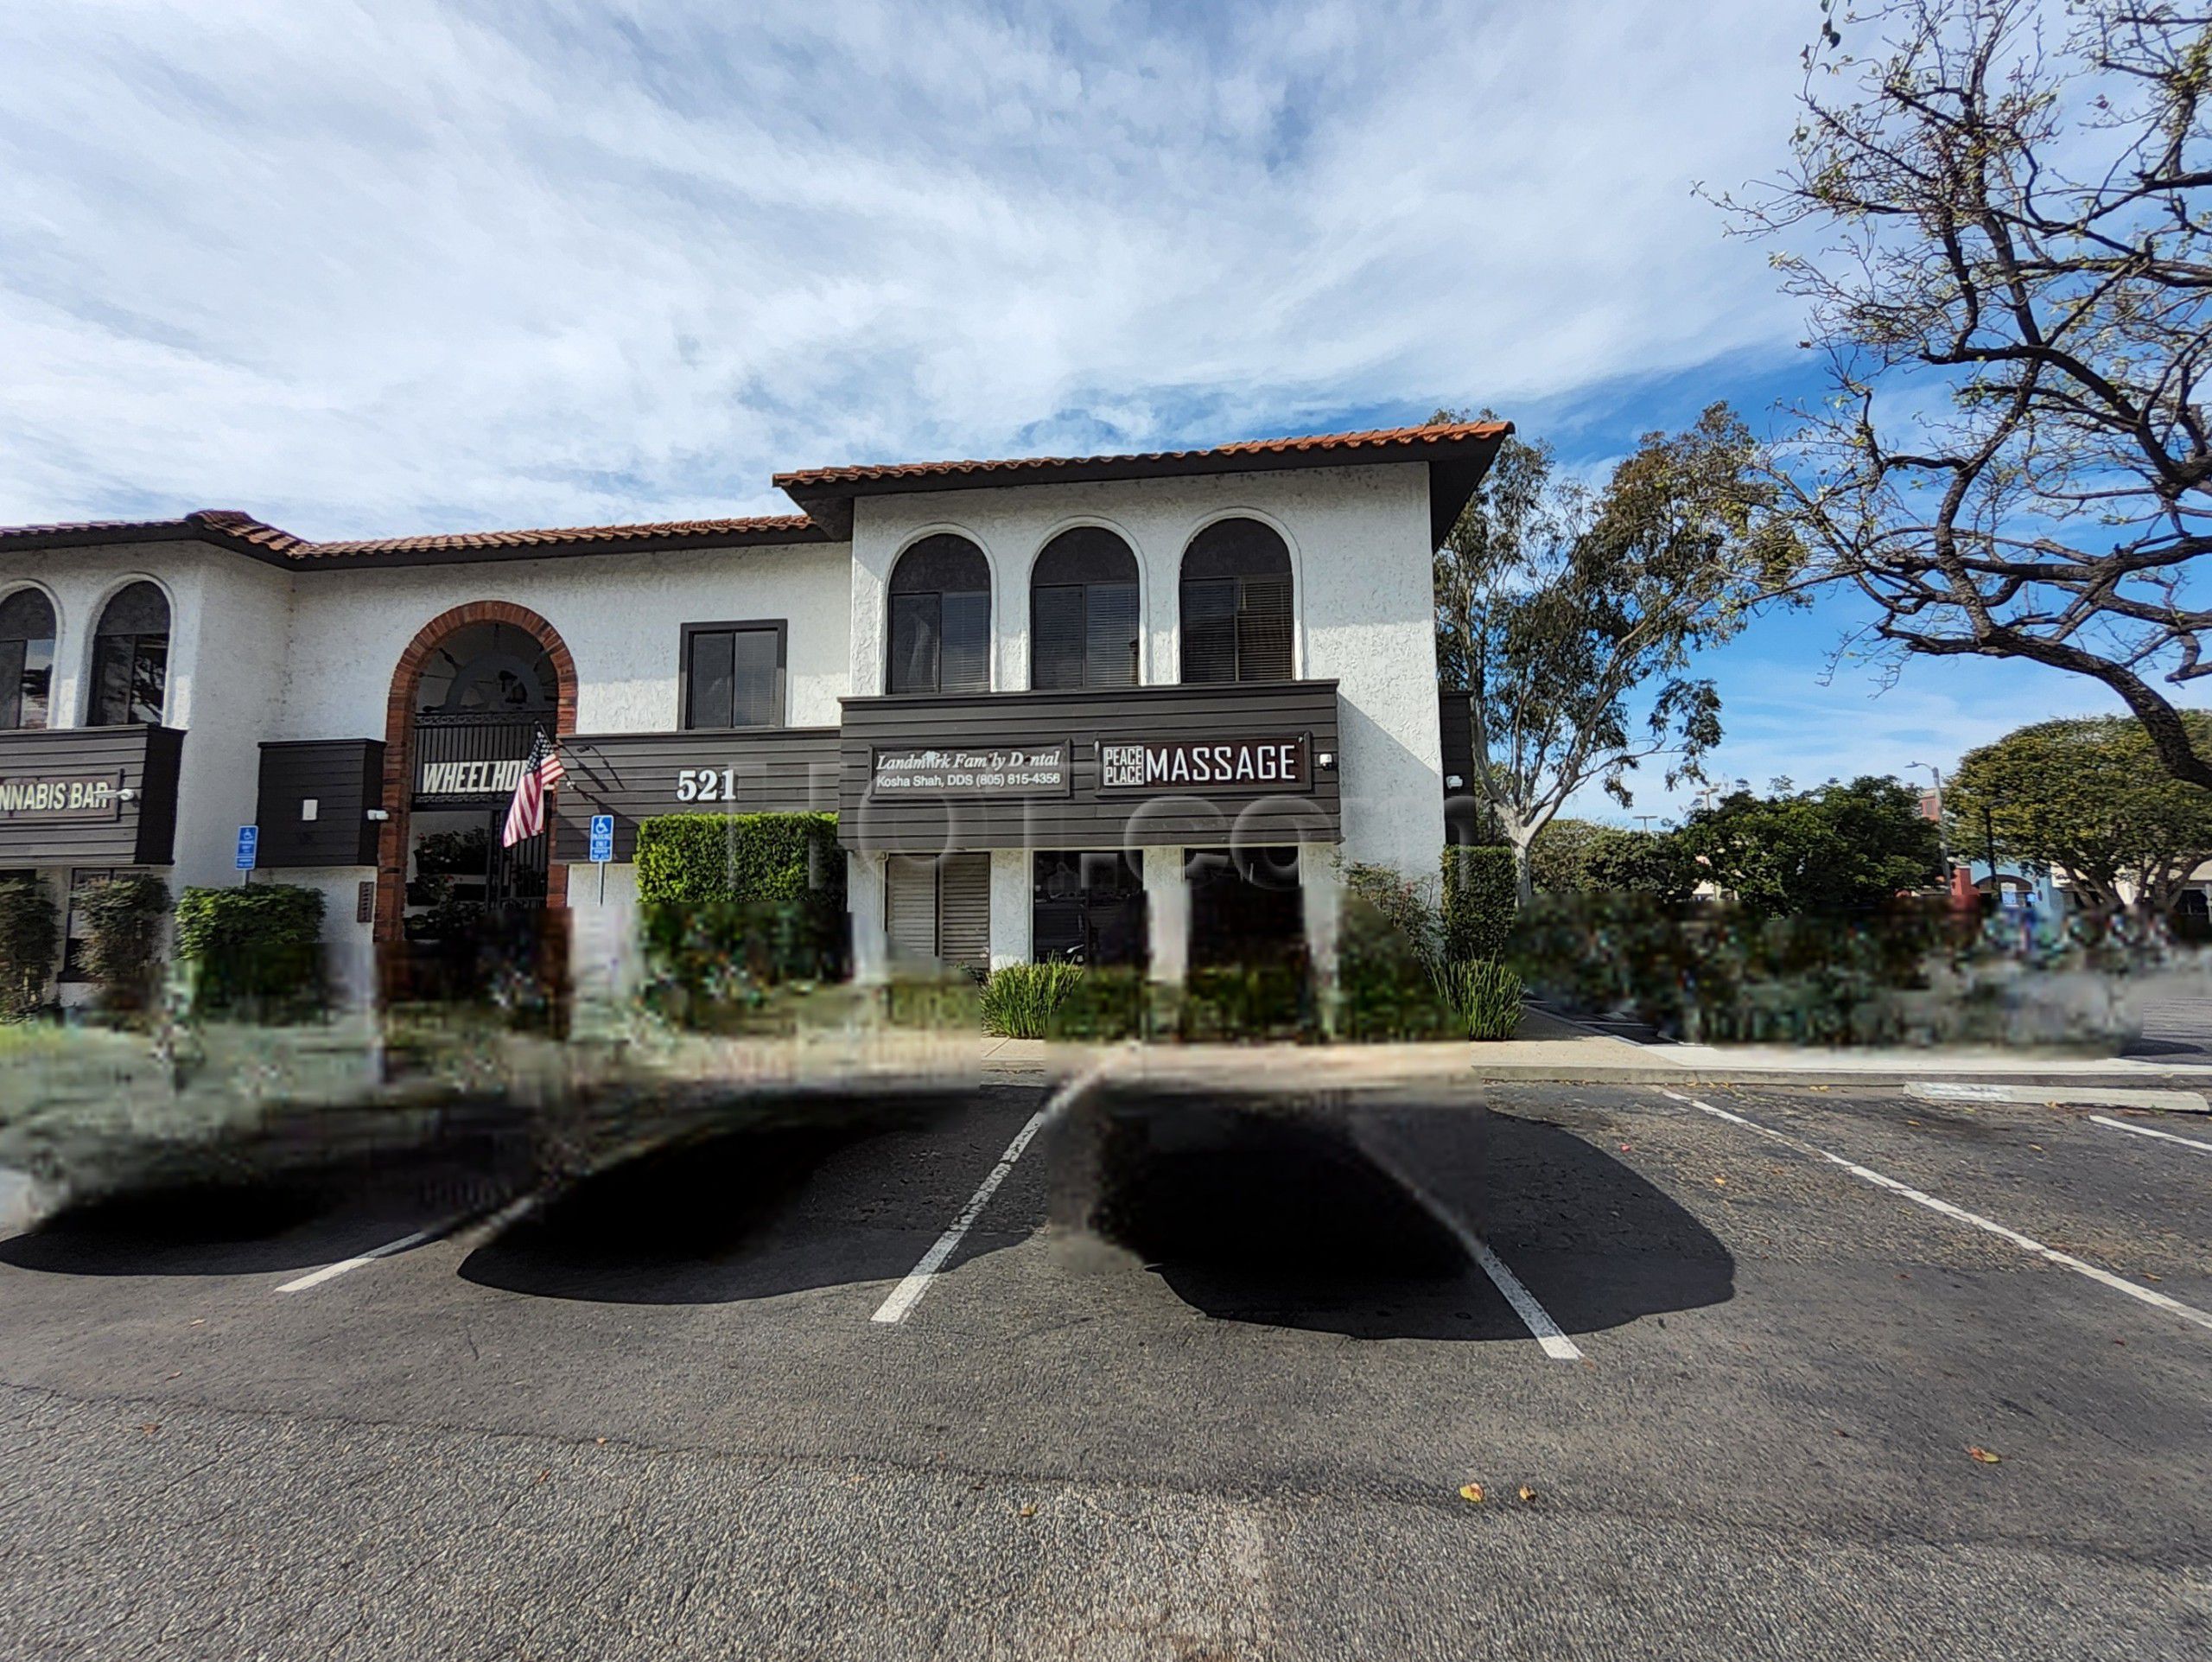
[
  {"x": 908, "y": 1293},
  {"x": 1533, "y": 1317},
  {"x": 2146, "y": 1130},
  {"x": 2026, "y": 1243},
  {"x": 332, "y": 1271}
]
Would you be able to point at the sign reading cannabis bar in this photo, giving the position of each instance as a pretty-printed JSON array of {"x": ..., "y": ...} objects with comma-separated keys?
[
  {"x": 1281, "y": 762},
  {"x": 1015, "y": 770},
  {"x": 53, "y": 797}
]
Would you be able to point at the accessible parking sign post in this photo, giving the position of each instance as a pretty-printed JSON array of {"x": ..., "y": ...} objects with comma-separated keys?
[
  {"x": 602, "y": 848},
  {"x": 248, "y": 849}
]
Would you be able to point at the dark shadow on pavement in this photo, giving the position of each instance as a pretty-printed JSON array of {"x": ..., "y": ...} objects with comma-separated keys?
[
  {"x": 204, "y": 1230},
  {"x": 1308, "y": 1217},
  {"x": 708, "y": 1220}
]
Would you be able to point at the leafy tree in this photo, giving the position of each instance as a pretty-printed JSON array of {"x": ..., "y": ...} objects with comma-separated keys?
[
  {"x": 2015, "y": 302},
  {"x": 1835, "y": 849},
  {"x": 1559, "y": 857},
  {"x": 1555, "y": 604},
  {"x": 2087, "y": 795},
  {"x": 1657, "y": 863}
]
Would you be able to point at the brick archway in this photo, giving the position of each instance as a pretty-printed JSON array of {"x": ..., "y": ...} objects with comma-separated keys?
[{"x": 399, "y": 746}]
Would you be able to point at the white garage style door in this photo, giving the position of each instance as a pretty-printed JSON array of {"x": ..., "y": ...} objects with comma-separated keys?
[{"x": 938, "y": 912}]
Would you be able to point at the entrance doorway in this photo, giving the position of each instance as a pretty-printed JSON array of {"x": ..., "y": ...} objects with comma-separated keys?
[
  {"x": 466, "y": 916},
  {"x": 1088, "y": 908},
  {"x": 1246, "y": 907}
]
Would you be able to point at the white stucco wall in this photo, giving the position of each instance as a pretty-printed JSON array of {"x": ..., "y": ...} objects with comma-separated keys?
[
  {"x": 621, "y": 616},
  {"x": 1360, "y": 562}
]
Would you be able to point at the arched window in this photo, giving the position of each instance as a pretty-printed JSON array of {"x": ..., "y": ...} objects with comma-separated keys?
[
  {"x": 1083, "y": 612},
  {"x": 941, "y": 618},
  {"x": 488, "y": 669},
  {"x": 26, "y": 658},
  {"x": 130, "y": 658},
  {"x": 1237, "y": 604}
]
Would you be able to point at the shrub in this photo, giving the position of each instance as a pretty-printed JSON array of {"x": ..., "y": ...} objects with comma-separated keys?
[
  {"x": 1558, "y": 859},
  {"x": 1480, "y": 900},
  {"x": 29, "y": 934},
  {"x": 1247, "y": 1001},
  {"x": 257, "y": 947},
  {"x": 124, "y": 919},
  {"x": 1484, "y": 994},
  {"x": 1641, "y": 863},
  {"x": 1386, "y": 987},
  {"x": 733, "y": 904},
  {"x": 1020, "y": 1000}
]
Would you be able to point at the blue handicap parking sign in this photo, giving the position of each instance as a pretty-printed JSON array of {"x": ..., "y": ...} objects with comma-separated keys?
[
  {"x": 249, "y": 846},
  {"x": 602, "y": 838}
]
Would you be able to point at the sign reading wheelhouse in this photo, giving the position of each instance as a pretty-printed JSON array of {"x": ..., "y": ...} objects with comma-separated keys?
[
  {"x": 1017, "y": 770},
  {"x": 1282, "y": 762}
]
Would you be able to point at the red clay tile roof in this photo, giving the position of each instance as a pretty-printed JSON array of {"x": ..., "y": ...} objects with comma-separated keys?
[
  {"x": 1414, "y": 442},
  {"x": 1457, "y": 453},
  {"x": 827, "y": 493},
  {"x": 228, "y": 528}
]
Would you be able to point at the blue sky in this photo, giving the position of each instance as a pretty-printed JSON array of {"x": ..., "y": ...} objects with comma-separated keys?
[{"x": 365, "y": 268}]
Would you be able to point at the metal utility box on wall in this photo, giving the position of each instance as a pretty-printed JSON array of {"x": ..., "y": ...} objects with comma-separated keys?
[{"x": 315, "y": 798}]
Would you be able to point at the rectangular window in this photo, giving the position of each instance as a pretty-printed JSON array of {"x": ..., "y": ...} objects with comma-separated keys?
[
  {"x": 967, "y": 666},
  {"x": 734, "y": 675},
  {"x": 916, "y": 639},
  {"x": 11, "y": 685},
  {"x": 1210, "y": 630},
  {"x": 1110, "y": 635},
  {"x": 1237, "y": 629},
  {"x": 1056, "y": 637},
  {"x": 129, "y": 678},
  {"x": 75, "y": 932}
]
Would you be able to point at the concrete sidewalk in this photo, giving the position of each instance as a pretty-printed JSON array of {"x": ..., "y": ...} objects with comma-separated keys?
[{"x": 1550, "y": 1049}]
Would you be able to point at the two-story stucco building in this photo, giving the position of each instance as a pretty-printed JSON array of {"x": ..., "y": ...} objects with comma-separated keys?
[{"x": 1122, "y": 709}]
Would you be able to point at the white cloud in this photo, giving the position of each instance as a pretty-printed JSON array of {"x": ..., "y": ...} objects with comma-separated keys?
[{"x": 372, "y": 268}]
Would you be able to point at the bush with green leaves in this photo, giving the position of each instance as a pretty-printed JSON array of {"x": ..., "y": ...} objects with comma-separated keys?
[
  {"x": 1478, "y": 902},
  {"x": 733, "y": 904},
  {"x": 1020, "y": 1000},
  {"x": 1484, "y": 994},
  {"x": 257, "y": 948},
  {"x": 1656, "y": 863},
  {"x": 124, "y": 918},
  {"x": 1559, "y": 854},
  {"x": 30, "y": 933}
]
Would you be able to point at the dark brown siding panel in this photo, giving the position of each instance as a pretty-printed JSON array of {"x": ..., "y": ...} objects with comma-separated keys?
[
  {"x": 1084, "y": 819},
  {"x": 345, "y": 778},
  {"x": 1455, "y": 722},
  {"x": 634, "y": 776},
  {"x": 139, "y": 831}
]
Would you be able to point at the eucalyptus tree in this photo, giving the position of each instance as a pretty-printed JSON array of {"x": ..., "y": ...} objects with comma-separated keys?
[{"x": 1572, "y": 615}]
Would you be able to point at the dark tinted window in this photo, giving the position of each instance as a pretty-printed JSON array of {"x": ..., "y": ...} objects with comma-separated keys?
[
  {"x": 26, "y": 658},
  {"x": 1237, "y": 604},
  {"x": 733, "y": 676},
  {"x": 941, "y": 618},
  {"x": 131, "y": 658},
  {"x": 1083, "y": 612}
]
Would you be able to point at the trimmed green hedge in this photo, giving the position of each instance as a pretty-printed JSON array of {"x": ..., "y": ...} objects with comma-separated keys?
[
  {"x": 124, "y": 918},
  {"x": 259, "y": 946},
  {"x": 1480, "y": 898},
  {"x": 30, "y": 934},
  {"x": 733, "y": 904}
]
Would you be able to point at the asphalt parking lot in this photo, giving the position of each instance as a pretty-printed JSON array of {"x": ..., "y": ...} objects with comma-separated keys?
[{"x": 858, "y": 1394}]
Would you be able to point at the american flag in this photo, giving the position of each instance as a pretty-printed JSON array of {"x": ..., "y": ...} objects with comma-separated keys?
[{"x": 526, "y": 814}]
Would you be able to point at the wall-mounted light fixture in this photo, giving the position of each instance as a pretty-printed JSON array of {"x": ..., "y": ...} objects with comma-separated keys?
[
  {"x": 126, "y": 794},
  {"x": 1326, "y": 761},
  {"x": 1453, "y": 781},
  {"x": 379, "y": 814}
]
